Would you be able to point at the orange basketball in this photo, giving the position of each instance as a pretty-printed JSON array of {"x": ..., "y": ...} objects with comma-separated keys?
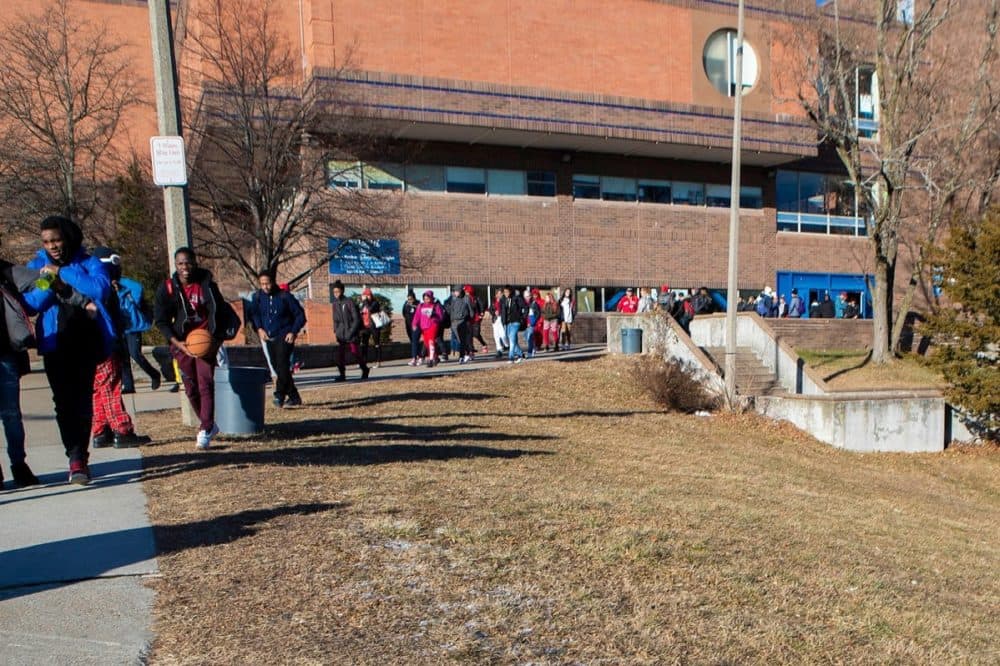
[{"x": 199, "y": 342}]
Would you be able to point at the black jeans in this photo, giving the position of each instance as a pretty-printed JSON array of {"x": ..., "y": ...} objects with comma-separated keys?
[
  {"x": 133, "y": 341},
  {"x": 373, "y": 337},
  {"x": 281, "y": 358},
  {"x": 71, "y": 376},
  {"x": 463, "y": 333}
]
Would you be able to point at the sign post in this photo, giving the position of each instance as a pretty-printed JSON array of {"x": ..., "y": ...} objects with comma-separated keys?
[{"x": 168, "y": 113}]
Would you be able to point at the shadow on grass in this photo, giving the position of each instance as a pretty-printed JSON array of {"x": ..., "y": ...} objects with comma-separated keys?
[
  {"x": 864, "y": 361},
  {"x": 54, "y": 564},
  {"x": 339, "y": 454},
  {"x": 413, "y": 396}
]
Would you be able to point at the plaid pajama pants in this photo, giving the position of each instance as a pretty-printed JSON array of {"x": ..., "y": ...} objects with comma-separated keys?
[{"x": 109, "y": 410}]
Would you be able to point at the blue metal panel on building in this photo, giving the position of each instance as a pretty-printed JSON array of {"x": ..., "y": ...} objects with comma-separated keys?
[{"x": 364, "y": 257}]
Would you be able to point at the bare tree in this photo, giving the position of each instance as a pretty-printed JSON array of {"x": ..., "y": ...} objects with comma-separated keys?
[
  {"x": 936, "y": 108},
  {"x": 65, "y": 86},
  {"x": 262, "y": 136}
]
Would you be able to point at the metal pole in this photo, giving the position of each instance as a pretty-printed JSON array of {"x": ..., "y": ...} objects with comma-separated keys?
[
  {"x": 732, "y": 294},
  {"x": 168, "y": 112}
]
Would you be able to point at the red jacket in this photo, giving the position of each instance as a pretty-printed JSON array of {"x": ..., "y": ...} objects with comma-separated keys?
[{"x": 628, "y": 304}]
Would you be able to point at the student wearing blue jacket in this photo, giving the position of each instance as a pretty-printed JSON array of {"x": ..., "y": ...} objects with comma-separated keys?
[
  {"x": 278, "y": 319},
  {"x": 72, "y": 340}
]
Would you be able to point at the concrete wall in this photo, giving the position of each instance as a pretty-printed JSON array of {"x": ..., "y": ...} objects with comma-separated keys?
[
  {"x": 661, "y": 334},
  {"x": 865, "y": 422},
  {"x": 753, "y": 332}
]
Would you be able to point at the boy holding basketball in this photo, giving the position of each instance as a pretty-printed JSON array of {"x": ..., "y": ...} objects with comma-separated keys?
[{"x": 187, "y": 302}]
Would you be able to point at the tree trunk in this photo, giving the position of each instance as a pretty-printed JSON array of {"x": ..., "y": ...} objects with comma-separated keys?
[{"x": 882, "y": 311}]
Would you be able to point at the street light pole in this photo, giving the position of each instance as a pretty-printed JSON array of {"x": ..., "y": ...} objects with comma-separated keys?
[
  {"x": 168, "y": 111},
  {"x": 732, "y": 295}
]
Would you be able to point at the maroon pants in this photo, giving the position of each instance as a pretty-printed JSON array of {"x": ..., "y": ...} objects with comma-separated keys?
[{"x": 198, "y": 375}]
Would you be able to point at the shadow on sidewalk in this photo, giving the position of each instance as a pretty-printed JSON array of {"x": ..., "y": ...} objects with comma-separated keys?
[
  {"x": 58, "y": 563},
  {"x": 105, "y": 474}
]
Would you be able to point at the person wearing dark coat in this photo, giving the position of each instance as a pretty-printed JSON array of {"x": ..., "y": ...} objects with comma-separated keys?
[
  {"x": 278, "y": 318},
  {"x": 190, "y": 299},
  {"x": 409, "y": 310},
  {"x": 460, "y": 313},
  {"x": 13, "y": 365},
  {"x": 346, "y": 327},
  {"x": 826, "y": 309}
]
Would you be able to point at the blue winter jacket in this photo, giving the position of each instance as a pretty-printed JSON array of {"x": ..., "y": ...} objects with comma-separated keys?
[{"x": 85, "y": 274}]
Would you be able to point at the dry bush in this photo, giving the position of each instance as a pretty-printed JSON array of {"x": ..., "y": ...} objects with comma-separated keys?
[{"x": 672, "y": 385}]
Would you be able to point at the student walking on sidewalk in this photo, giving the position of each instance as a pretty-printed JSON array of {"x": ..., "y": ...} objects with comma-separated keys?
[
  {"x": 190, "y": 300},
  {"x": 427, "y": 319},
  {"x": 112, "y": 422},
  {"x": 278, "y": 319},
  {"x": 72, "y": 340},
  {"x": 346, "y": 325},
  {"x": 13, "y": 365}
]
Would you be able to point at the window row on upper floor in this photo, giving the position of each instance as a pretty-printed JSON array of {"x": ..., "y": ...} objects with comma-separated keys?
[
  {"x": 474, "y": 180},
  {"x": 613, "y": 188},
  {"x": 434, "y": 178}
]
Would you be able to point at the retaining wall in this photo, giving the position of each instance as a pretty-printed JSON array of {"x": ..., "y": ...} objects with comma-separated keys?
[{"x": 867, "y": 422}]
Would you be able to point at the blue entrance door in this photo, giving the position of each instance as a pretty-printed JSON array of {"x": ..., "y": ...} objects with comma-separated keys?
[{"x": 812, "y": 288}]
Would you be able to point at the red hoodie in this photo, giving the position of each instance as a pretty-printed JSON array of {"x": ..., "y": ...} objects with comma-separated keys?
[{"x": 628, "y": 304}]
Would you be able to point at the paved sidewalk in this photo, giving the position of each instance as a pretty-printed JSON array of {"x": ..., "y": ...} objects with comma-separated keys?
[{"x": 73, "y": 559}]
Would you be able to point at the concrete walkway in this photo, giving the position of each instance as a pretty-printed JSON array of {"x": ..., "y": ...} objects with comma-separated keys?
[{"x": 73, "y": 559}]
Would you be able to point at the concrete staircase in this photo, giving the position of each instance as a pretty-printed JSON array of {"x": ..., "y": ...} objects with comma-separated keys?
[{"x": 752, "y": 376}]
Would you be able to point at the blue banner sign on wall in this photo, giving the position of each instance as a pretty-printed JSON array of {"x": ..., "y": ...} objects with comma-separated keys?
[{"x": 363, "y": 257}]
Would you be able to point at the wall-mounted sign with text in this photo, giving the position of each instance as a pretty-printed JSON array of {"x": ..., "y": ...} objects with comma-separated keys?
[{"x": 364, "y": 257}]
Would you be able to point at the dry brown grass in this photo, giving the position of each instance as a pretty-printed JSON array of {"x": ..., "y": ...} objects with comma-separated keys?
[
  {"x": 849, "y": 370},
  {"x": 551, "y": 514}
]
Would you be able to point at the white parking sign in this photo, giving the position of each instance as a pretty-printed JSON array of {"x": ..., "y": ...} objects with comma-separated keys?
[{"x": 169, "y": 166}]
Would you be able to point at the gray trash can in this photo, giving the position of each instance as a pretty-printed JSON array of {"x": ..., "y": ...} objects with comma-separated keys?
[
  {"x": 239, "y": 399},
  {"x": 631, "y": 340}
]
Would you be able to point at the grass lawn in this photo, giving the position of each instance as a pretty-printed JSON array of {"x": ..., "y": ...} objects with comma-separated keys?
[
  {"x": 550, "y": 514},
  {"x": 850, "y": 370}
]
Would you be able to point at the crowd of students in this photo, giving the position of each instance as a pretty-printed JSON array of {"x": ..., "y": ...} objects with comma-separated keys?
[{"x": 544, "y": 321}]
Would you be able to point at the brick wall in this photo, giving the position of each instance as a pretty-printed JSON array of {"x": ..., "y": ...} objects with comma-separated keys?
[{"x": 823, "y": 333}]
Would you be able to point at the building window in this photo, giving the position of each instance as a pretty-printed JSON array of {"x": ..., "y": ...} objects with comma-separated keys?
[
  {"x": 383, "y": 176},
  {"x": 424, "y": 178},
  {"x": 618, "y": 189},
  {"x": 586, "y": 187},
  {"x": 542, "y": 183},
  {"x": 817, "y": 203},
  {"x": 464, "y": 180},
  {"x": 866, "y": 102},
  {"x": 751, "y": 197},
  {"x": 691, "y": 194},
  {"x": 718, "y": 196},
  {"x": 501, "y": 181},
  {"x": 904, "y": 12},
  {"x": 719, "y": 59},
  {"x": 654, "y": 191},
  {"x": 340, "y": 173}
]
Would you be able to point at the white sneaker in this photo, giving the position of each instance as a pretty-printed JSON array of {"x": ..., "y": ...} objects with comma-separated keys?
[{"x": 205, "y": 437}]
